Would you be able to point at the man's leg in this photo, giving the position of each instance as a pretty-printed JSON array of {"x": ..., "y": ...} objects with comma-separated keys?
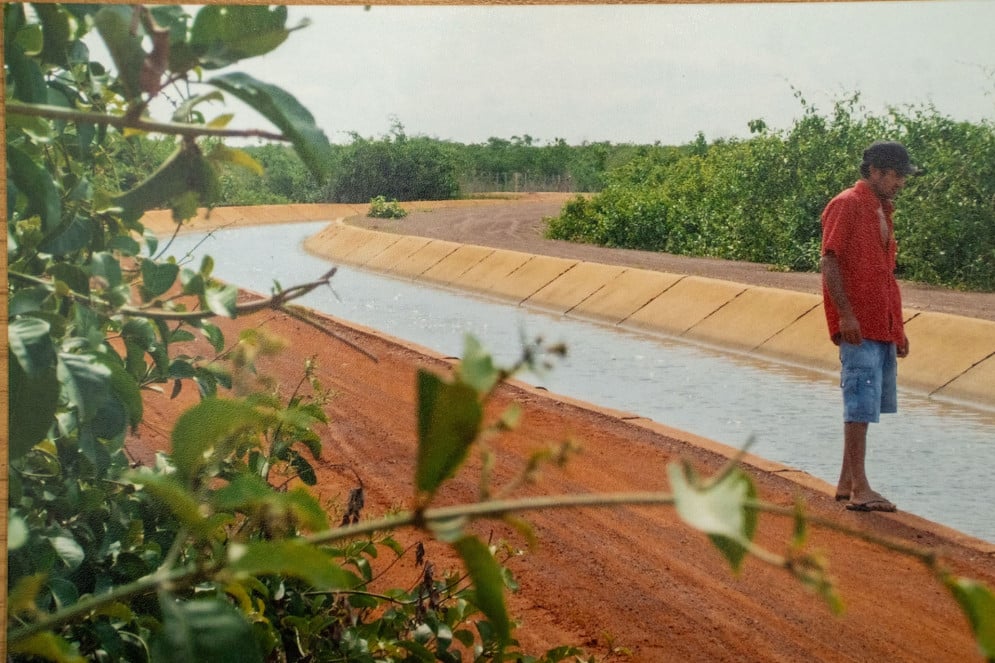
[
  {"x": 853, "y": 476},
  {"x": 863, "y": 373},
  {"x": 845, "y": 485}
]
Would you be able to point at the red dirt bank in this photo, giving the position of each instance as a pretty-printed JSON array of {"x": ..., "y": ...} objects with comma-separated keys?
[{"x": 633, "y": 578}]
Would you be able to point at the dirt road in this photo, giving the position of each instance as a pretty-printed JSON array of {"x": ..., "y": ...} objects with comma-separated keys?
[{"x": 626, "y": 583}]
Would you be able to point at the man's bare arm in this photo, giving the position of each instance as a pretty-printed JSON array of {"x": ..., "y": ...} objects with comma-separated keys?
[{"x": 833, "y": 278}]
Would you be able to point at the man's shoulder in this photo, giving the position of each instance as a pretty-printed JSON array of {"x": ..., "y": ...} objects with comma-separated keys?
[{"x": 847, "y": 199}]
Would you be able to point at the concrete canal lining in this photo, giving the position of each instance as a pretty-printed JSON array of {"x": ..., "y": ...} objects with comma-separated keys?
[{"x": 953, "y": 357}]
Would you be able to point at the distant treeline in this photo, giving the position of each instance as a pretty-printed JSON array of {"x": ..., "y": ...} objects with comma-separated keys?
[
  {"x": 402, "y": 167},
  {"x": 756, "y": 199}
]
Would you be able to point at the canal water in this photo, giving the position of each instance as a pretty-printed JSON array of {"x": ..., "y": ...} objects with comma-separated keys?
[{"x": 933, "y": 459}]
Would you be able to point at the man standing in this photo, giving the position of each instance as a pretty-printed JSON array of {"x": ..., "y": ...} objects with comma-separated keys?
[{"x": 864, "y": 308}]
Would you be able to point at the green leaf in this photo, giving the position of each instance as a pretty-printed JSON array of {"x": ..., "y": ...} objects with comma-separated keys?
[
  {"x": 223, "y": 154},
  {"x": 29, "y": 81},
  {"x": 978, "y": 604},
  {"x": 204, "y": 630},
  {"x": 107, "y": 266},
  {"x": 185, "y": 111},
  {"x": 30, "y": 39},
  {"x": 31, "y": 301},
  {"x": 181, "y": 336},
  {"x": 717, "y": 508},
  {"x": 225, "y": 34},
  {"x": 72, "y": 275},
  {"x": 290, "y": 557},
  {"x": 139, "y": 330},
  {"x": 64, "y": 591},
  {"x": 303, "y": 469},
  {"x": 36, "y": 183},
  {"x": 284, "y": 111},
  {"x": 57, "y": 33},
  {"x": 449, "y": 418},
  {"x": 86, "y": 383},
  {"x": 157, "y": 278},
  {"x": 125, "y": 245},
  {"x": 248, "y": 492},
  {"x": 243, "y": 492},
  {"x": 31, "y": 345},
  {"x": 48, "y": 646},
  {"x": 210, "y": 430},
  {"x": 68, "y": 237},
  {"x": 179, "y": 369},
  {"x": 151, "y": 241},
  {"x": 184, "y": 180},
  {"x": 222, "y": 300},
  {"x": 167, "y": 490},
  {"x": 31, "y": 407},
  {"x": 68, "y": 550},
  {"x": 114, "y": 23},
  {"x": 488, "y": 584},
  {"x": 126, "y": 392},
  {"x": 17, "y": 532},
  {"x": 477, "y": 367},
  {"x": 193, "y": 283},
  {"x": 22, "y": 597}
]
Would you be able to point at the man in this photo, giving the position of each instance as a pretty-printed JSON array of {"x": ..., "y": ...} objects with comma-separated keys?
[{"x": 863, "y": 308}]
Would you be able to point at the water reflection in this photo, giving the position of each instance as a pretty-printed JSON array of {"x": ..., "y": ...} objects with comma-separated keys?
[{"x": 933, "y": 458}]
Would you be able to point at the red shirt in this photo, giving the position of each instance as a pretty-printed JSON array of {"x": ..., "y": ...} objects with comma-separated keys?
[{"x": 851, "y": 229}]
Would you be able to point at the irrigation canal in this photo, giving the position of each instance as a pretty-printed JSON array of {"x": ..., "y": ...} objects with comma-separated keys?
[{"x": 933, "y": 459}]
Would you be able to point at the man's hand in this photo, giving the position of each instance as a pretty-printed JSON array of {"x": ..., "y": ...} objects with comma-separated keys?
[
  {"x": 833, "y": 278},
  {"x": 902, "y": 349},
  {"x": 850, "y": 328}
]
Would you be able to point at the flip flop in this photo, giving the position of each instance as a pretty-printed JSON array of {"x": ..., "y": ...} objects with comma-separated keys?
[
  {"x": 872, "y": 505},
  {"x": 842, "y": 498}
]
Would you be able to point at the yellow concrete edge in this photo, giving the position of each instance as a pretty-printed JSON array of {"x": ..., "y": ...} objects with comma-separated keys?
[
  {"x": 532, "y": 276},
  {"x": 945, "y": 347},
  {"x": 425, "y": 258},
  {"x": 492, "y": 272},
  {"x": 953, "y": 357},
  {"x": 573, "y": 287},
  {"x": 685, "y": 304}
]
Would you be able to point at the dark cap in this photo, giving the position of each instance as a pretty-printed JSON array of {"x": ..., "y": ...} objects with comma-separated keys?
[{"x": 888, "y": 154}]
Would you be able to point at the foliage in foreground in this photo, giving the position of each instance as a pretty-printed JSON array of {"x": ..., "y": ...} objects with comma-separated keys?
[
  {"x": 760, "y": 199},
  {"x": 219, "y": 549}
]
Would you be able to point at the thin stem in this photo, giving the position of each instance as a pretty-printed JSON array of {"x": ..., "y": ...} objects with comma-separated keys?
[
  {"x": 126, "y": 121},
  {"x": 181, "y": 576},
  {"x": 277, "y": 301}
]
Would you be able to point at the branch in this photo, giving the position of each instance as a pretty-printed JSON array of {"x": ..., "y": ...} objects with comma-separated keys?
[
  {"x": 499, "y": 508},
  {"x": 184, "y": 576},
  {"x": 307, "y": 317},
  {"x": 277, "y": 301},
  {"x": 127, "y": 122}
]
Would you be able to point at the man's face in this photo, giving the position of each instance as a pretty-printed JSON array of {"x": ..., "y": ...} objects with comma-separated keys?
[{"x": 886, "y": 182}]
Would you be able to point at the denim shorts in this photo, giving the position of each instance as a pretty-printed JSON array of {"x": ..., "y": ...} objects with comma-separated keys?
[{"x": 868, "y": 379}]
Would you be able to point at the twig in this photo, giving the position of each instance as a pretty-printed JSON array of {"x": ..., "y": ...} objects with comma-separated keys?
[
  {"x": 128, "y": 122},
  {"x": 277, "y": 301}
]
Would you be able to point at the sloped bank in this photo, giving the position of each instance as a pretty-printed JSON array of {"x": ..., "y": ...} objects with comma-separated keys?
[{"x": 954, "y": 357}]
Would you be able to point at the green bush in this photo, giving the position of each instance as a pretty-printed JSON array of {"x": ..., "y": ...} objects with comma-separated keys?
[
  {"x": 396, "y": 166},
  {"x": 381, "y": 208},
  {"x": 760, "y": 199}
]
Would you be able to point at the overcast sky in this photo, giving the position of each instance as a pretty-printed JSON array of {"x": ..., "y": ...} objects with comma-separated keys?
[{"x": 636, "y": 73}]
